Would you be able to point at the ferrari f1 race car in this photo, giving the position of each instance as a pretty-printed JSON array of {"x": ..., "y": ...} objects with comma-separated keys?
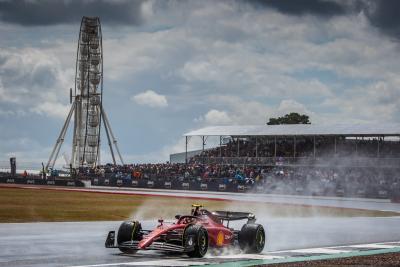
[{"x": 191, "y": 234}]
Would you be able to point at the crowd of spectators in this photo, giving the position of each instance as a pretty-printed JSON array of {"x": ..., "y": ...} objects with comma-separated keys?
[
  {"x": 329, "y": 179},
  {"x": 362, "y": 182}
]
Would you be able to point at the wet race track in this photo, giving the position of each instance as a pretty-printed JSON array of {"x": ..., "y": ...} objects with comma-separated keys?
[{"x": 82, "y": 243}]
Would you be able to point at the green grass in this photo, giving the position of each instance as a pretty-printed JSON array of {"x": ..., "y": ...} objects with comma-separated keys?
[{"x": 38, "y": 205}]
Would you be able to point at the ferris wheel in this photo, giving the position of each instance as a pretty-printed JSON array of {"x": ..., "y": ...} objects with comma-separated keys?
[{"x": 87, "y": 99}]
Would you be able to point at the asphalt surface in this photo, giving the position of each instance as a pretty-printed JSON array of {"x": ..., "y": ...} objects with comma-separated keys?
[{"x": 82, "y": 243}]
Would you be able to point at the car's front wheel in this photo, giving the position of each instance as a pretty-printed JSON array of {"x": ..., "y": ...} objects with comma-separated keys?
[
  {"x": 252, "y": 238},
  {"x": 128, "y": 231}
]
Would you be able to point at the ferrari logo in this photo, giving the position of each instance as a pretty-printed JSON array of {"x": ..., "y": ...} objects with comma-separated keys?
[{"x": 220, "y": 239}]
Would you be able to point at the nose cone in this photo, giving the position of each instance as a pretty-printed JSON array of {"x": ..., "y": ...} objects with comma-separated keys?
[{"x": 144, "y": 243}]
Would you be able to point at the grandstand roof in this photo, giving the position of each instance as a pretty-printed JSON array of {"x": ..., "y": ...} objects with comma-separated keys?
[{"x": 300, "y": 130}]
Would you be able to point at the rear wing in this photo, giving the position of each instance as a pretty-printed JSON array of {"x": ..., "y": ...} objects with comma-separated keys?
[{"x": 234, "y": 216}]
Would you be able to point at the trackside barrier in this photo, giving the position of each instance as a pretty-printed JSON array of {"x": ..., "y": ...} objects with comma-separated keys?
[
  {"x": 340, "y": 192},
  {"x": 222, "y": 187},
  {"x": 240, "y": 188},
  {"x": 203, "y": 186},
  {"x": 168, "y": 185},
  {"x": 207, "y": 185},
  {"x": 51, "y": 182},
  {"x": 37, "y": 181},
  {"x": 260, "y": 188},
  {"x": 383, "y": 193},
  {"x": 361, "y": 193},
  {"x": 185, "y": 186}
]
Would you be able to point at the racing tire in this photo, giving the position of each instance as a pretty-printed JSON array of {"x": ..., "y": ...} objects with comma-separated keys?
[
  {"x": 252, "y": 238},
  {"x": 200, "y": 239},
  {"x": 128, "y": 231}
]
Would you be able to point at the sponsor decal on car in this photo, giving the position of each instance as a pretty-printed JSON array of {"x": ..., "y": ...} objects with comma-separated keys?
[{"x": 220, "y": 238}]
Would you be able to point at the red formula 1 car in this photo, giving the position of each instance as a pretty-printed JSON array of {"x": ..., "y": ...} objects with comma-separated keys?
[{"x": 191, "y": 234}]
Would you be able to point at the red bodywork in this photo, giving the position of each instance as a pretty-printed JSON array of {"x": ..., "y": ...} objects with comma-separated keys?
[{"x": 218, "y": 234}]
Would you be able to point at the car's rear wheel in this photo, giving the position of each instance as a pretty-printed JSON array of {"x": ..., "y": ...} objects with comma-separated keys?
[
  {"x": 252, "y": 238},
  {"x": 128, "y": 231},
  {"x": 196, "y": 236}
]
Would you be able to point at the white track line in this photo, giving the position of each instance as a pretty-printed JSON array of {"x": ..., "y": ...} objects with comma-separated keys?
[
  {"x": 377, "y": 246},
  {"x": 319, "y": 251},
  {"x": 249, "y": 256},
  {"x": 165, "y": 262}
]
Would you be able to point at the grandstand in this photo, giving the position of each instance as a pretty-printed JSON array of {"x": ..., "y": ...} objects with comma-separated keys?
[{"x": 302, "y": 144}]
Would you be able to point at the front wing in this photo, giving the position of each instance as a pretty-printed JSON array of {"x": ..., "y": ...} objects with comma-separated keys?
[{"x": 163, "y": 246}]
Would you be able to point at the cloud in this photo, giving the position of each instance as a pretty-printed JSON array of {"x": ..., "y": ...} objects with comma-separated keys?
[
  {"x": 48, "y": 12},
  {"x": 377, "y": 102},
  {"x": 384, "y": 15},
  {"x": 34, "y": 80},
  {"x": 151, "y": 99},
  {"x": 52, "y": 109},
  {"x": 302, "y": 7},
  {"x": 215, "y": 117},
  {"x": 289, "y": 105}
]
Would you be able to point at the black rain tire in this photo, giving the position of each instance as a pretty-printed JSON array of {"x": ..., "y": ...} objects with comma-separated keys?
[
  {"x": 252, "y": 238},
  {"x": 128, "y": 230},
  {"x": 200, "y": 238}
]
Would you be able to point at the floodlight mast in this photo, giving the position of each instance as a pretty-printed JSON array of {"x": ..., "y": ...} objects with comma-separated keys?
[{"x": 87, "y": 101}]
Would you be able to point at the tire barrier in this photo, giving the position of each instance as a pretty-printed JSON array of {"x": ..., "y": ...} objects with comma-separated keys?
[
  {"x": 38, "y": 181},
  {"x": 260, "y": 188}
]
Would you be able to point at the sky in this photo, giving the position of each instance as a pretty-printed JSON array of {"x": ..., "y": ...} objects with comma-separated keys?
[{"x": 175, "y": 66}]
